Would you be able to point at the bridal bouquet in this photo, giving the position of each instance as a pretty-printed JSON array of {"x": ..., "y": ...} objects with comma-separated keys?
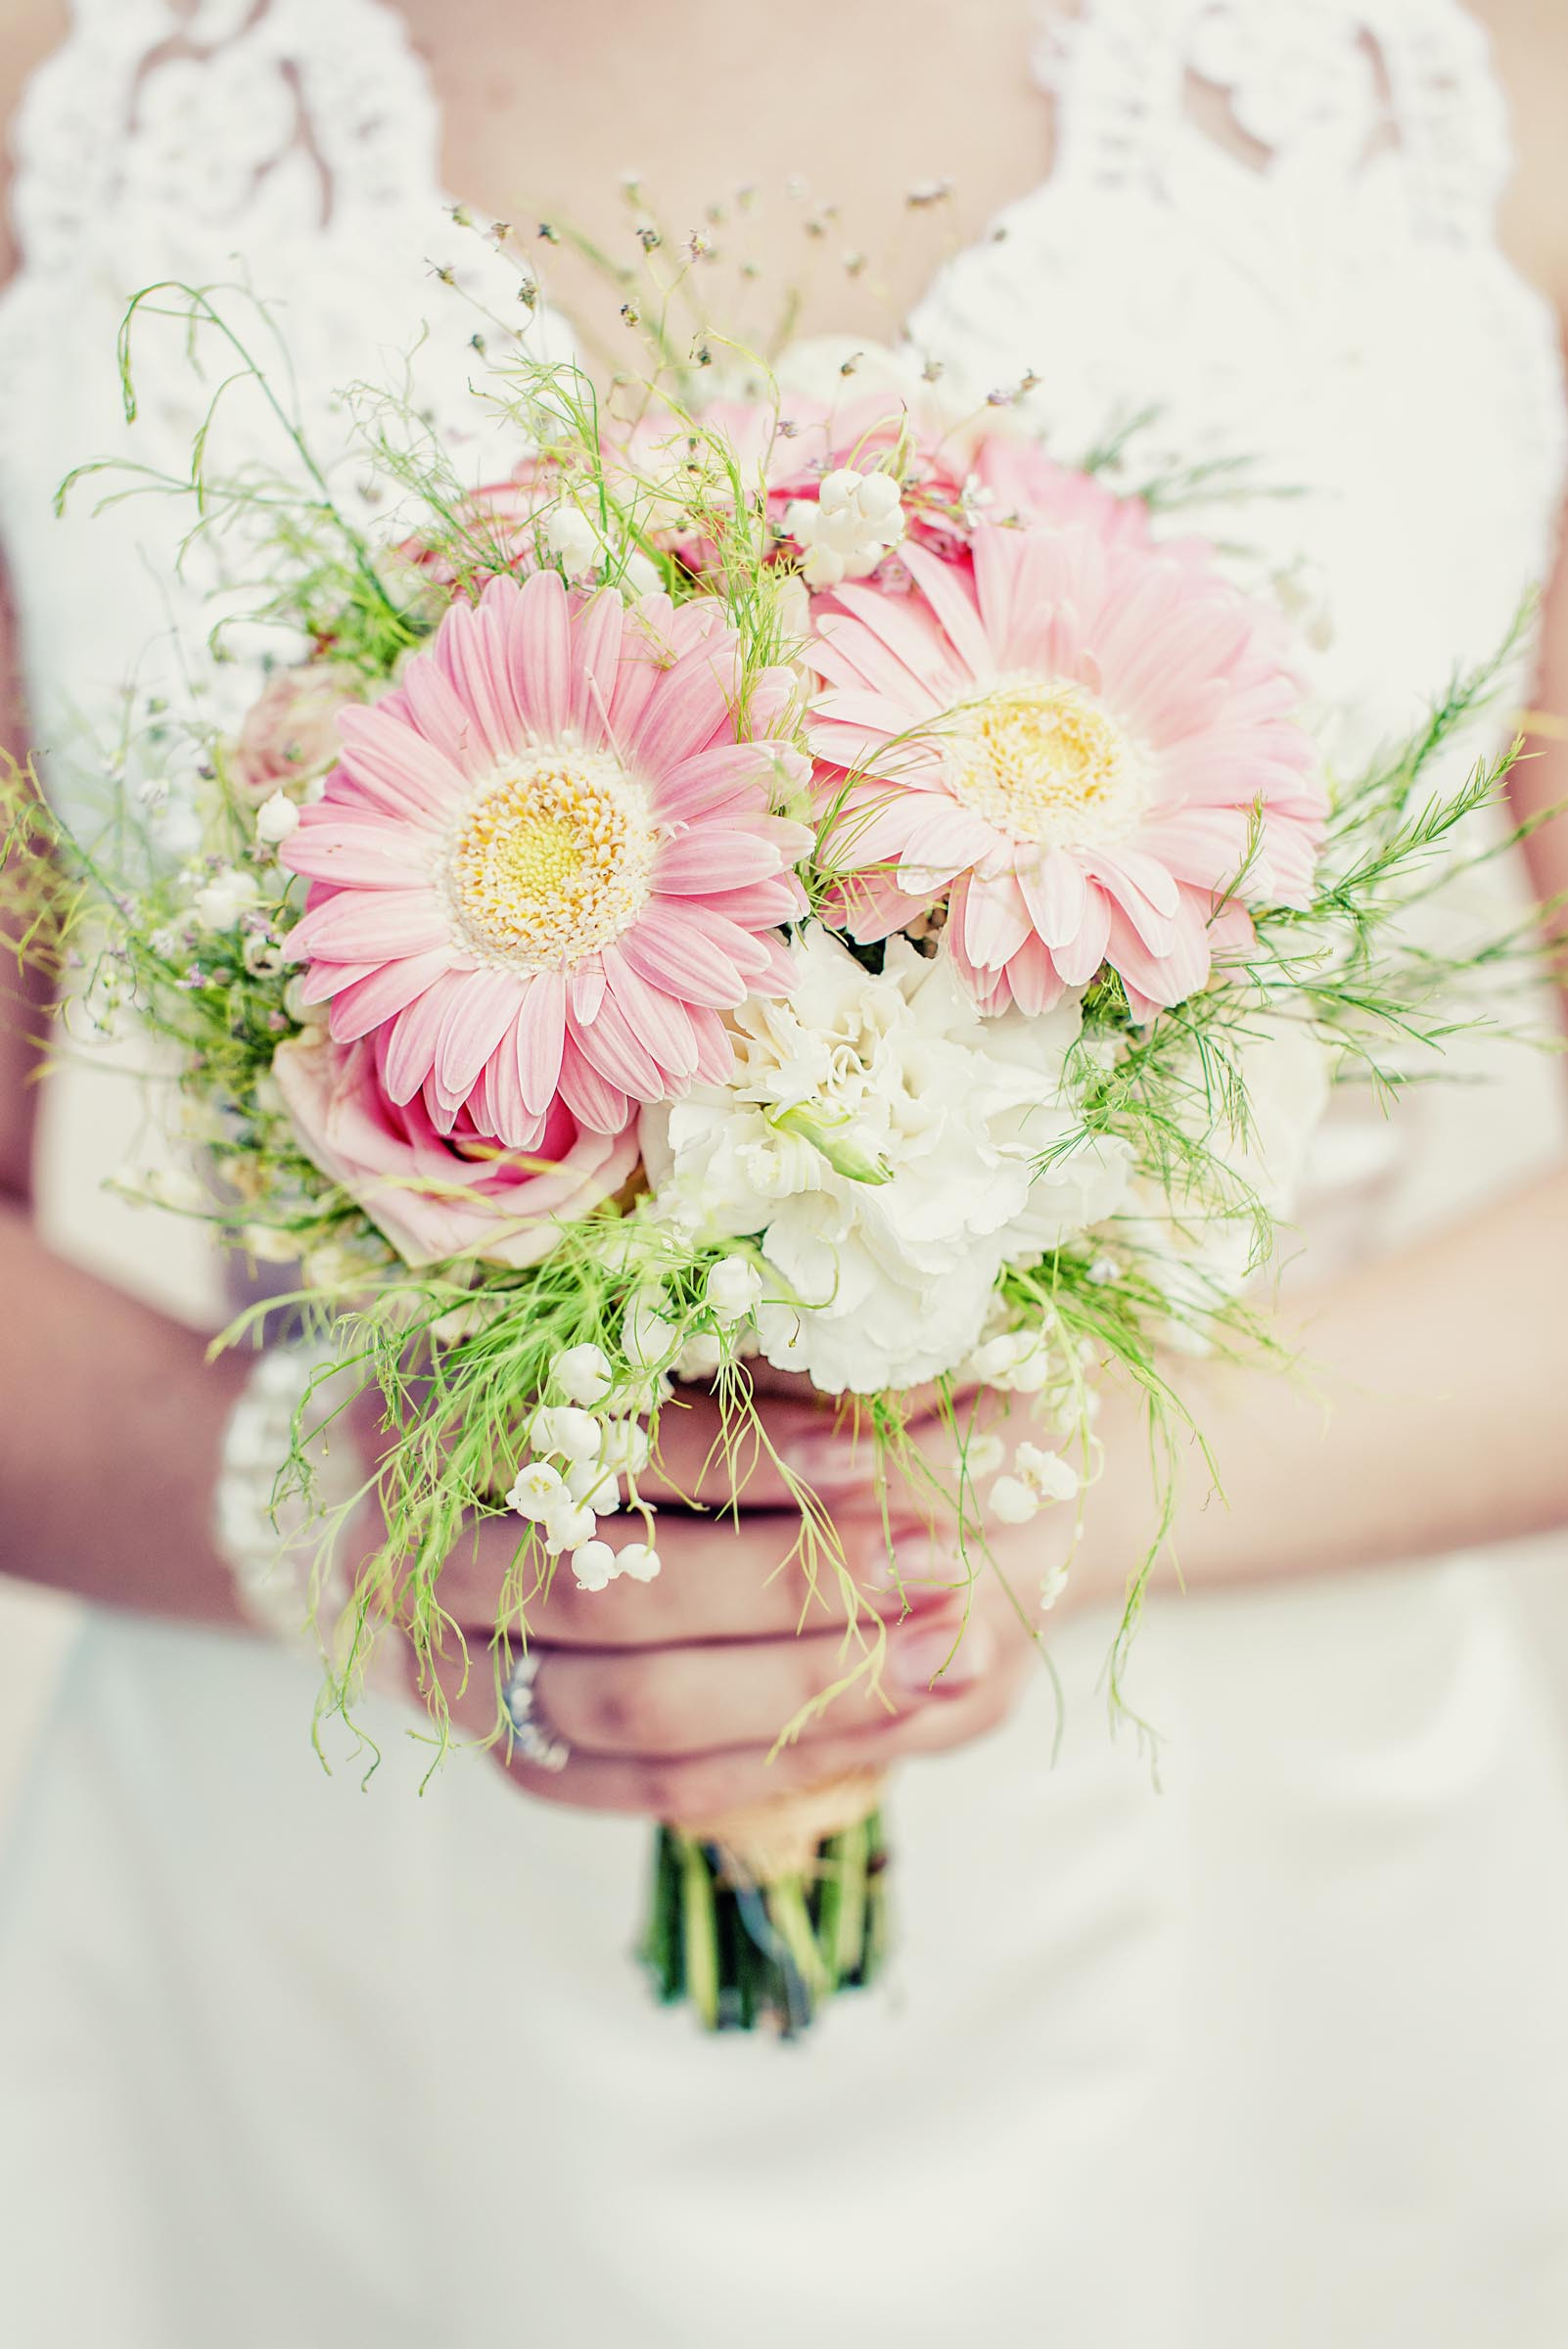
[{"x": 780, "y": 879}]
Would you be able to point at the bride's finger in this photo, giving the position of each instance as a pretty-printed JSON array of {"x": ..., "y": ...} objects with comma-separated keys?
[
  {"x": 720, "y": 1578},
  {"x": 673, "y": 1703},
  {"x": 700, "y": 1461}
]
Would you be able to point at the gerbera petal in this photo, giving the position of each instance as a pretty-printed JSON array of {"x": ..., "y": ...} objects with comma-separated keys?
[
  {"x": 656, "y": 1019},
  {"x": 1078, "y": 958},
  {"x": 380, "y": 995},
  {"x": 366, "y": 925},
  {"x": 711, "y": 857},
  {"x": 674, "y": 955},
  {"x": 395, "y": 766},
  {"x": 1054, "y": 891},
  {"x": 408, "y": 1051},
  {"x": 592, "y": 1099},
  {"x": 350, "y": 851},
  {"x": 995, "y": 919},
  {"x": 687, "y": 708},
  {"x": 600, "y": 625},
  {"x": 479, "y": 1014},
  {"x": 539, "y": 654},
  {"x": 541, "y": 1038},
  {"x": 608, "y": 1042}
]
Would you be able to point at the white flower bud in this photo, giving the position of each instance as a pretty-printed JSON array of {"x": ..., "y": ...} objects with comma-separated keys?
[
  {"x": 582, "y": 1374},
  {"x": 276, "y": 818},
  {"x": 639, "y": 1561},
  {"x": 565, "y": 1428},
  {"x": 734, "y": 1286},
  {"x": 593, "y": 1563},
  {"x": 536, "y": 1487},
  {"x": 1012, "y": 1503}
]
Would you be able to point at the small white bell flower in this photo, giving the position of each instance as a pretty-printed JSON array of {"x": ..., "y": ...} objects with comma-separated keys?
[
  {"x": 593, "y": 1564},
  {"x": 639, "y": 1561},
  {"x": 566, "y": 1524},
  {"x": 535, "y": 1489},
  {"x": 734, "y": 1287},
  {"x": 570, "y": 535},
  {"x": 275, "y": 819},
  {"x": 592, "y": 1482},
  {"x": 647, "y": 1334},
  {"x": 626, "y": 1447},
  {"x": 566, "y": 1428},
  {"x": 582, "y": 1374},
  {"x": 855, "y": 521}
]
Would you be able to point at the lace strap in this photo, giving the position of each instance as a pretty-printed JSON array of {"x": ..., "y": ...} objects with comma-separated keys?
[
  {"x": 243, "y": 117},
  {"x": 1312, "y": 92}
]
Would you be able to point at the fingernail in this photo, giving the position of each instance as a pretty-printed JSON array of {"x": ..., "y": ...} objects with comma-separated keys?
[
  {"x": 941, "y": 1663},
  {"x": 915, "y": 1568}
]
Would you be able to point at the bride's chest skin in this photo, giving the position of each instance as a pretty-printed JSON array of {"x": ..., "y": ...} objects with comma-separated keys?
[{"x": 843, "y": 147}]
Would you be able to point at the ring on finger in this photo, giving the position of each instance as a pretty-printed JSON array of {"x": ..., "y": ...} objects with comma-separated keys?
[{"x": 529, "y": 1736}]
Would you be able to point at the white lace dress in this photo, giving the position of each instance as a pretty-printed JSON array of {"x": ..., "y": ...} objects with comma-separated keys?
[{"x": 1276, "y": 2055}]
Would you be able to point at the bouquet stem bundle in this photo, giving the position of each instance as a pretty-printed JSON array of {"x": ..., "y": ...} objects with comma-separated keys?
[{"x": 757, "y": 1918}]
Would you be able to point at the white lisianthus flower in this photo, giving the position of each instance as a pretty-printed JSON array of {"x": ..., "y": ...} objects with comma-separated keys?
[{"x": 880, "y": 1136}]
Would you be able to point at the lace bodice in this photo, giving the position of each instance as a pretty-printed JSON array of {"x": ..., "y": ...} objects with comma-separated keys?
[{"x": 1272, "y": 227}]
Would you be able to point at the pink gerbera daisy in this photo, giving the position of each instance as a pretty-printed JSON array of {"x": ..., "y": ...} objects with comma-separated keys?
[
  {"x": 548, "y": 862},
  {"x": 1082, "y": 742}
]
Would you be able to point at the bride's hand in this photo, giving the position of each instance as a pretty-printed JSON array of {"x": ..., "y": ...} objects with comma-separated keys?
[{"x": 672, "y": 1695}]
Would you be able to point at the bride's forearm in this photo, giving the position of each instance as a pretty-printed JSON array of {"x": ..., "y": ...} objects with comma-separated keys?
[
  {"x": 113, "y": 1421},
  {"x": 1429, "y": 1412}
]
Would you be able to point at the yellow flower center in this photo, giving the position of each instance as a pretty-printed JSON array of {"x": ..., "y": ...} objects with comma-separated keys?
[
  {"x": 1042, "y": 762},
  {"x": 550, "y": 859}
]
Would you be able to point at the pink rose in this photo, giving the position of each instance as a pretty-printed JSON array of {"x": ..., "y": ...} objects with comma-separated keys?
[
  {"x": 436, "y": 1195},
  {"x": 290, "y": 736}
]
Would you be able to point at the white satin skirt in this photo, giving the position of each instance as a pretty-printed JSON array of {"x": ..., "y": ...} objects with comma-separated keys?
[{"x": 1276, "y": 2054}]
